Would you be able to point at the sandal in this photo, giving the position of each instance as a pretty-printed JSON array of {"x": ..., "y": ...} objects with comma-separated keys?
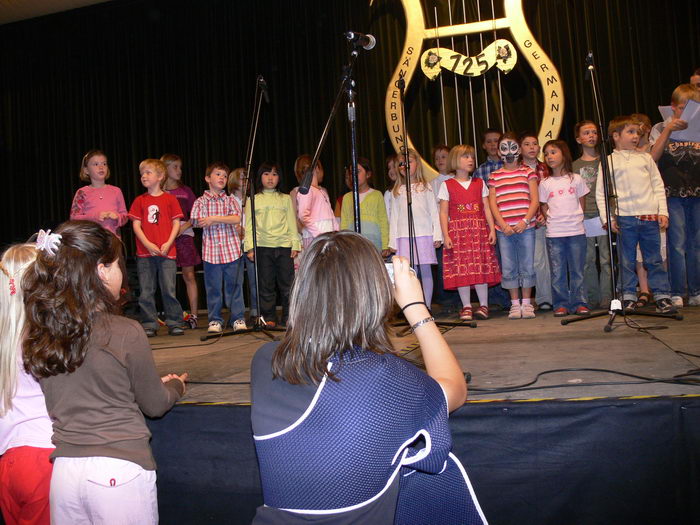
[
  {"x": 482, "y": 312},
  {"x": 465, "y": 314},
  {"x": 644, "y": 299}
]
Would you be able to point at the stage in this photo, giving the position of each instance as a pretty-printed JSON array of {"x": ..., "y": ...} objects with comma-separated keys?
[{"x": 576, "y": 447}]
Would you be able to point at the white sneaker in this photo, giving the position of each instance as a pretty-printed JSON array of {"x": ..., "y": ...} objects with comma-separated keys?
[
  {"x": 528, "y": 311},
  {"x": 239, "y": 325},
  {"x": 515, "y": 312},
  {"x": 678, "y": 301},
  {"x": 693, "y": 300},
  {"x": 214, "y": 327}
]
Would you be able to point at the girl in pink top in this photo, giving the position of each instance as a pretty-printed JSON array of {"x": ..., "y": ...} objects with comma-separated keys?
[
  {"x": 25, "y": 427},
  {"x": 561, "y": 196},
  {"x": 314, "y": 210},
  {"x": 99, "y": 202}
]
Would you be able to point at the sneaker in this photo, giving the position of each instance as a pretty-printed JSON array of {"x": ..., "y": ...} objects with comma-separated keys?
[
  {"x": 160, "y": 317},
  {"x": 214, "y": 327},
  {"x": 528, "y": 311},
  {"x": 665, "y": 306},
  {"x": 583, "y": 310},
  {"x": 677, "y": 301},
  {"x": 515, "y": 312},
  {"x": 482, "y": 312},
  {"x": 465, "y": 314},
  {"x": 561, "y": 312},
  {"x": 270, "y": 324},
  {"x": 239, "y": 325},
  {"x": 693, "y": 300},
  {"x": 176, "y": 330},
  {"x": 629, "y": 305},
  {"x": 191, "y": 321},
  {"x": 545, "y": 306},
  {"x": 150, "y": 332}
]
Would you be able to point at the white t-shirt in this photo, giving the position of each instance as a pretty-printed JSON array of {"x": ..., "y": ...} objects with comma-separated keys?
[
  {"x": 444, "y": 194},
  {"x": 561, "y": 195}
]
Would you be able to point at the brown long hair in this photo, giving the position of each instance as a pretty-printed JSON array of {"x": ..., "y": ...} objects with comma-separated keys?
[
  {"x": 341, "y": 298},
  {"x": 63, "y": 295},
  {"x": 567, "y": 168}
]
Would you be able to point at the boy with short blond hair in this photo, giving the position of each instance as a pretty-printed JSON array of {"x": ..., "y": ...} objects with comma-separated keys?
[
  {"x": 155, "y": 217},
  {"x": 219, "y": 215},
  {"x": 638, "y": 213},
  {"x": 679, "y": 164}
]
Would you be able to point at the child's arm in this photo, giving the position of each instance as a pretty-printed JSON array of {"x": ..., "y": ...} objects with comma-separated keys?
[
  {"x": 219, "y": 219},
  {"x": 293, "y": 196},
  {"x": 532, "y": 210},
  {"x": 434, "y": 215},
  {"x": 600, "y": 199},
  {"x": 497, "y": 217},
  {"x": 122, "y": 215},
  {"x": 347, "y": 212},
  {"x": 489, "y": 220},
  {"x": 657, "y": 185},
  {"x": 174, "y": 231},
  {"x": 383, "y": 223},
  {"x": 138, "y": 231},
  {"x": 77, "y": 208},
  {"x": 292, "y": 228},
  {"x": 444, "y": 212},
  {"x": 657, "y": 149}
]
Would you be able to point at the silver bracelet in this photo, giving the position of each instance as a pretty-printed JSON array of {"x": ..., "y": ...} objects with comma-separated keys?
[{"x": 421, "y": 323}]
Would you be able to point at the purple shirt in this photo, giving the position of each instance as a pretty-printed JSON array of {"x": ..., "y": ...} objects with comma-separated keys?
[
  {"x": 186, "y": 197},
  {"x": 90, "y": 202}
]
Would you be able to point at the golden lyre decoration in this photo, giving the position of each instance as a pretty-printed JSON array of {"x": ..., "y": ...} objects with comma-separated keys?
[
  {"x": 514, "y": 20},
  {"x": 500, "y": 53}
]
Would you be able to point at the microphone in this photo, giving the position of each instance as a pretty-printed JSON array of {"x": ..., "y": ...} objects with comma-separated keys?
[
  {"x": 263, "y": 87},
  {"x": 306, "y": 181},
  {"x": 366, "y": 42}
]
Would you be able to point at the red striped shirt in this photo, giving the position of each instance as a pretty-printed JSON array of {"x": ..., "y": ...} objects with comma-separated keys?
[{"x": 512, "y": 192}]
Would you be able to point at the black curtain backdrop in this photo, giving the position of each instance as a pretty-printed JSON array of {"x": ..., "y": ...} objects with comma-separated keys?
[{"x": 139, "y": 78}]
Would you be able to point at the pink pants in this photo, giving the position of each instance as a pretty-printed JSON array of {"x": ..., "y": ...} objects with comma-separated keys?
[
  {"x": 102, "y": 491},
  {"x": 25, "y": 475}
]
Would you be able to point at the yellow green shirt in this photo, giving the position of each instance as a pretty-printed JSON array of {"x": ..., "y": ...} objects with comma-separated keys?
[{"x": 275, "y": 222}]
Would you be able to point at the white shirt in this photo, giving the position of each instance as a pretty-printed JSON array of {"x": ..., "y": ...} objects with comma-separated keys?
[{"x": 425, "y": 214}]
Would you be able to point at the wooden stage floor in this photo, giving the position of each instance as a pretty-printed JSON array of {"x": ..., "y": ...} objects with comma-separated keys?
[{"x": 499, "y": 353}]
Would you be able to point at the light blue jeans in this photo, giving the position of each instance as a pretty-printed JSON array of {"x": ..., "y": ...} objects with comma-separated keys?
[
  {"x": 684, "y": 245},
  {"x": 567, "y": 258},
  {"x": 161, "y": 271},
  {"x": 543, "y": 286},
  {"x": 517, "y": 259}
]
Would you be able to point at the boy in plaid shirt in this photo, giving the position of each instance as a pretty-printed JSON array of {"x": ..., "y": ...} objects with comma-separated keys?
[{"x": 219, "y": 215}]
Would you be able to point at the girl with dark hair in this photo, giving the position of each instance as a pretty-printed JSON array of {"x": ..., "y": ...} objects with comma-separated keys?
[
  {"x": 98, "y": 376},
  {"x": 562, "y": 196},
  {"x": 277, "y": 241},
  {"x": 25, "y": 427},
  {"x": 337, "y": 414}
]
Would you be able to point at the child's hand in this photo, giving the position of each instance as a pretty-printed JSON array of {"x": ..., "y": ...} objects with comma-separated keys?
[
  {"x": 520, "y": 226},
  {"x": 386, "y": 253},
  {"x": 108, "y": 215},
  {"x": 165, "y": 249},
  {"x": 663, "y": 222},
  {"x": 407, "y": 287},
  {"x": 508, "y": 230},
  {"x": 677, "y": 124},
  {"x": 152, "y": 248},
  {"x": 448, "y": 242},
  {"x": 251, "y": 255},
  {"x": 293, "y": 253},
  {"x": 205, "y": 222},
  {"x": 492, "y": 237},
  {"x": 613, "y": 226},
  {"x": 437, "y": 244}
]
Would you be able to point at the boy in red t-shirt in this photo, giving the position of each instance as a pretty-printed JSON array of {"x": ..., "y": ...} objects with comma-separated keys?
[{"x": 156, "y": 219}]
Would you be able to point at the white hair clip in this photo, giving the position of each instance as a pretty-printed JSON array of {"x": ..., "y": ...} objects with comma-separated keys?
[{"x": 48, "y": 242}]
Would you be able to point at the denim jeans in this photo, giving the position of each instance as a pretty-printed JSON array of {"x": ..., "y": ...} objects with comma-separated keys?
[
  {"x": 517, "y": 259},
  {"x": 684, "y": 245},
  {"x": 249, "y": 270},
  {"x": 567, "y": 256},
  {"x": 497, "y": 294},
  {"x": 543, "y": 286},
  {"x": 226, "y": 275},
  {"x": 597, "y": 286},
  {"x": 161, "y": 271},
  {"x": 646, "y": 234}
]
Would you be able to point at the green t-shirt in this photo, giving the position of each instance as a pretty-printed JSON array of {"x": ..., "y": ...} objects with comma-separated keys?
[{"x": 588, "y": 169}]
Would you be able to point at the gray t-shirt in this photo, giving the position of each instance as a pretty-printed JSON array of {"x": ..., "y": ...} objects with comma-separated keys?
[{"x": 588, "y": 169}]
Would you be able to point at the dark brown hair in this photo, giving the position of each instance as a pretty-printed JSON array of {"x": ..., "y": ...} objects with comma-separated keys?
[
  {"x": 218, "y": 165},
  {"x": 341, "y": 299},
  {"x": 567, "y": 168},
  {"x": 580, "y": 124},
  {"x": 63, "y": 295}
]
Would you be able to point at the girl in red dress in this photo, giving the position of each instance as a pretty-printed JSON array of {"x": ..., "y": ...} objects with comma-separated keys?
[{"x": 468, "y": 228}]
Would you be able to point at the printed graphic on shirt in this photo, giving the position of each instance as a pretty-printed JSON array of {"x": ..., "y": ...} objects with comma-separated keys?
[
  {"x": 589, "y": 174},
  {"x": 153, "y": 214}
]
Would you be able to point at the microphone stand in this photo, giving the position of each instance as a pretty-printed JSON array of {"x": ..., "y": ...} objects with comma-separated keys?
[
  {"x": 249, "y": 188},
  {"x": 615, "y": 308},
  {"x": 409, "y": 212}
]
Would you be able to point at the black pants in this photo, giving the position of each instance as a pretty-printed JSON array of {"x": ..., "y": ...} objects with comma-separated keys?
[{"x": 275, "y": 267}]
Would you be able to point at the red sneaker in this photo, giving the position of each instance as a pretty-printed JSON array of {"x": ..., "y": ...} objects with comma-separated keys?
[
  {"x": 583, "y": 310},
  {"x": 465, "y": 314},
  {"x": 561, "y": 312},
  {"x": 482, "y": 312}
]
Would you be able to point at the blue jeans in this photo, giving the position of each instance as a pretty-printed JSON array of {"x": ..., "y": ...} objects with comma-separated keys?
[
  {"x": 226, "y": 275},
  {"x": 517, "y": 259},
  {"x": 684, "y": 245},
  {"x": 543, "y": 286},
  {"x": 162, "y": 271},
  {"x": 567, "y": 256},
  {"x": 646, "y": 234},
  {"x": 247, "y": 267},
  {"x": 597, "y": 286}
]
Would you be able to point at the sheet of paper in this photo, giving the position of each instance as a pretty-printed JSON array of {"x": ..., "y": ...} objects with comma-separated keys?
[
  {"x": 666, "y": 112},
  {"x": 691, "y": 114},
  {"x": 593, "y": 227}
]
